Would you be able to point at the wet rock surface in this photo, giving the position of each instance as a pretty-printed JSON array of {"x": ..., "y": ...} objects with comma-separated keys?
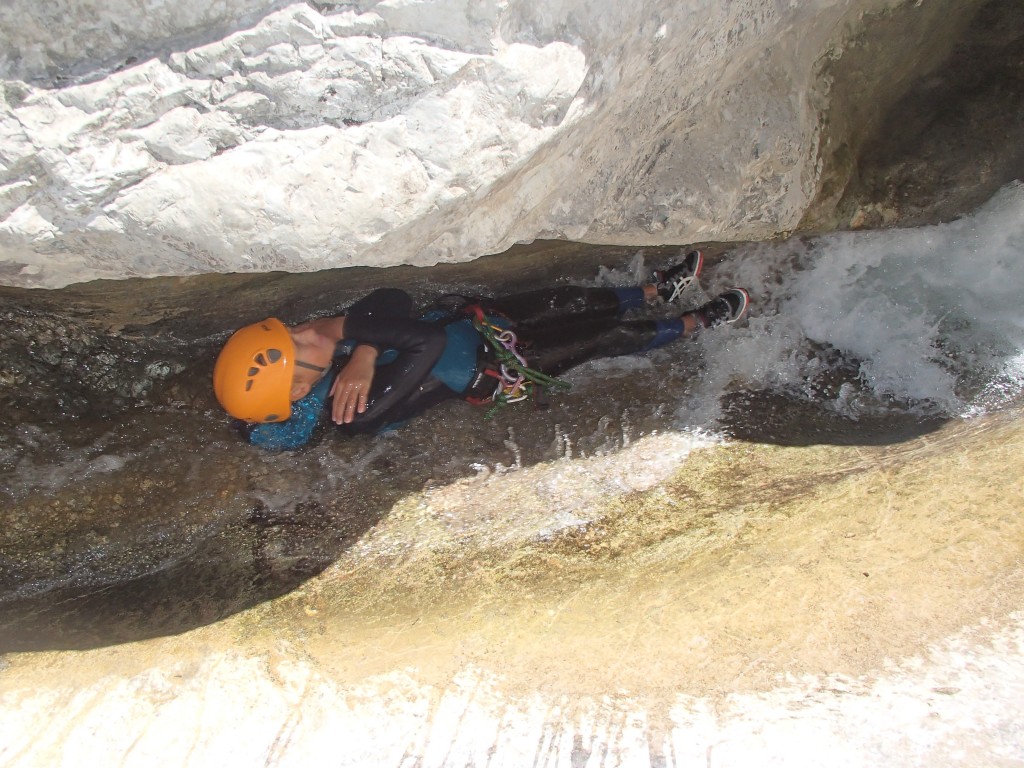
[
  {"x": 827, "y": 539},
  {"x": 133, "y": 510},
  {"x": 925, "y": 118}
]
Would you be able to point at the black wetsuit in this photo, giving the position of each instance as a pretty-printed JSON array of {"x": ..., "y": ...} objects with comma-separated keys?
[{"x": 563, "y": 327}]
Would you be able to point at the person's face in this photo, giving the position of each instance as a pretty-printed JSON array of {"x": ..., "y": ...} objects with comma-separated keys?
[{"x": 313, "y": 359}]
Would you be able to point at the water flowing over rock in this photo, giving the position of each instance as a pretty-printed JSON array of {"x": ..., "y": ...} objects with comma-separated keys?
[
  {"x": 791, "y": 541},
  {"x": 254, "y": 136}
]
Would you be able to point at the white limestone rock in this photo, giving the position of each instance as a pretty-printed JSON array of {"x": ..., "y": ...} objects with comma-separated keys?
[
  {"x": 185, "y": 135},
  {"x": 253, "y": 136}
]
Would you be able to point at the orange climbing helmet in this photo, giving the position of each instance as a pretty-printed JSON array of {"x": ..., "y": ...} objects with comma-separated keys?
[{"x": 252, "y": 377}]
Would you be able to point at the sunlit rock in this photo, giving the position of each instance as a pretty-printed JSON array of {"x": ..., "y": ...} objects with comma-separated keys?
[{"x": 250, "y": 136}]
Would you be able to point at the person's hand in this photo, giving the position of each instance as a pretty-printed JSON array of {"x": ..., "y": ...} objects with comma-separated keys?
[{"x": 351, "y": 387}]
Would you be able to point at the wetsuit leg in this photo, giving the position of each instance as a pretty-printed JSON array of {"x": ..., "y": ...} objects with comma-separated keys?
[
  {"x": 566, "y": 326},
  {"x": 555, "y": 348},
  {"x": 565, "y": 303}
]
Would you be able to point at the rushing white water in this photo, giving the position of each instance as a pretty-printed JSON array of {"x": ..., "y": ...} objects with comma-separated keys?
[{"x": 930, "y": 317}]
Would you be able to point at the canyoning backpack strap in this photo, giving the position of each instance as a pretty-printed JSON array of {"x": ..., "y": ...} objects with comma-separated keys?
[{"x": 503, "y": 371}]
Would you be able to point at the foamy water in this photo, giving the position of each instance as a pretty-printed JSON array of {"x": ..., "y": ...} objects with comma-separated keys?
[{"x": 930, "y": 317}]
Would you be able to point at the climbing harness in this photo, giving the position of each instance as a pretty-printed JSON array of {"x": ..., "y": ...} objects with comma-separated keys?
[{"x": 516, "y": 381}]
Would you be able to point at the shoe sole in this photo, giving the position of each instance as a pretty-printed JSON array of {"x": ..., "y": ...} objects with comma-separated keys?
[
  {"x": 699, "y": 266},
  {"x": 744, "y": 305}
]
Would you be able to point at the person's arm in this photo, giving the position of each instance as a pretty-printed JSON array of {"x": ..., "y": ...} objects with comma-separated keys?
[
  {"x": 351, "y": 388},
  {"x": 381, "y": 303},
  {"x": 382, "y": 321}
]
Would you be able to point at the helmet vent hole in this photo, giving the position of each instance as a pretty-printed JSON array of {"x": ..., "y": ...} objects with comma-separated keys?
[
  {"x": 253, "y": 371},
  {"x": 248, "y": 385},
  {"x": 260, "y": 359},
  {"x": 274, "y": 355}
]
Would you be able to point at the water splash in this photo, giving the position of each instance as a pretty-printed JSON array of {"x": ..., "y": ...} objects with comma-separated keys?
[{"x": 926, "y": 318}]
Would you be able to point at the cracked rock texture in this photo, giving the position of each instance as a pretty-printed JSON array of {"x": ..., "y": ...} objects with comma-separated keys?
[{"x": 141, "y": 139}]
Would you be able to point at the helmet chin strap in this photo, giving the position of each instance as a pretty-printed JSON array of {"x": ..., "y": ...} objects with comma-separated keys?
[{"x": 310, "y": 366}]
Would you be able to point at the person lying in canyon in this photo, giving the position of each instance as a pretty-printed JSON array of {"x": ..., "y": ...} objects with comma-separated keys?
[{"x": 379, "y": 363}]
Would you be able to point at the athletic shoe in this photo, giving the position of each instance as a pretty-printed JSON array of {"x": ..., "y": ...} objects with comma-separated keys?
[
  {"x": 726, "y": 308},
  {"x": 673, "y": 281}
]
